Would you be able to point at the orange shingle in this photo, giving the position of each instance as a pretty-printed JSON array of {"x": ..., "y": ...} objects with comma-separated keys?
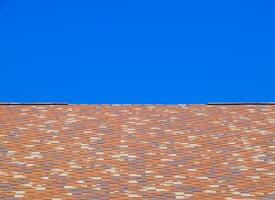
[{"x": 59, "y": 152}]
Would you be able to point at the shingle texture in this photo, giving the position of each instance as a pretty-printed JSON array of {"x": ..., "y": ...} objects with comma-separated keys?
[{"x": 137, "y": 152}]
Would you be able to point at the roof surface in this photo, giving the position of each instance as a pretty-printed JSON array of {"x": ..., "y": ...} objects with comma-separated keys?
[{"x": 137, "y": 152}]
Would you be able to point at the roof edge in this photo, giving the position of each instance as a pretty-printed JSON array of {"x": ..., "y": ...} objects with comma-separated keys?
[
  {"x": 241, "y": 103},
  {"x": 33, "y": 103},
  {"x": 66, "y": 103}
]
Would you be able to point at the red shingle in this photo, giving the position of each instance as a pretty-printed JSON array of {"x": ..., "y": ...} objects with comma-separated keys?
[{"x": 137, "y": 152}]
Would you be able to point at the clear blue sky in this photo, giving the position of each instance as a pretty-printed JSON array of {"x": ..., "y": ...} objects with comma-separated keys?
[{"x": 137, "y": 51}]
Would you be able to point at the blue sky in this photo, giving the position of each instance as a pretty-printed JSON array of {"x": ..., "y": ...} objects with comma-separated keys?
[{"x": 143, "y": 51}]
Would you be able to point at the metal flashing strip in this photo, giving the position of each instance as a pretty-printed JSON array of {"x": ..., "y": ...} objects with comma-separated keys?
[
  {"x": 241, "y": 103},
  {"x": 32, "y": 103}
]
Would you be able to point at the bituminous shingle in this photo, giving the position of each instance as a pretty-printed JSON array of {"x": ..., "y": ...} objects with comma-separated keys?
[{"x": 137, "y": 151}]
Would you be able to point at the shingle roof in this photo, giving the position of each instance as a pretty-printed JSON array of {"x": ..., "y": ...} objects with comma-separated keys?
[{"x": 137, "y": 152}]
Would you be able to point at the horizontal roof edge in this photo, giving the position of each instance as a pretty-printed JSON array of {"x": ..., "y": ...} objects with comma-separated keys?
[
  {"x": 33, "y": 103},
  {"x": 241, "y": 103}
]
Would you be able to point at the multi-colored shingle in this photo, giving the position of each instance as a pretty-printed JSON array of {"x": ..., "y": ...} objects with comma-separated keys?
[{"x": 137, "y": 152}]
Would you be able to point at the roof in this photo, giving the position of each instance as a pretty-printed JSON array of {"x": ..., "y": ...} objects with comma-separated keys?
[{"x": 137, "y": 151}]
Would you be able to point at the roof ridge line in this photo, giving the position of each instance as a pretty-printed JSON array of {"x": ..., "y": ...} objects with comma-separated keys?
[
  {"x": 241, "y": 103},
  {"x": 33, "y": 103}
]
